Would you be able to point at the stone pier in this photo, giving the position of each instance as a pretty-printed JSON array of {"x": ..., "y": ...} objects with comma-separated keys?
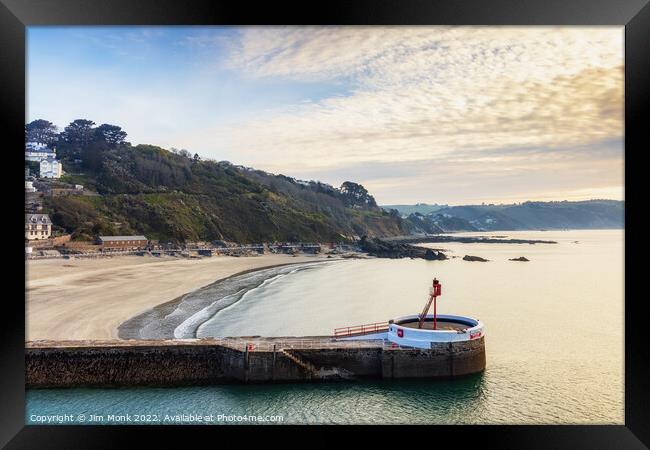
[{"x": 52, "y": 364}]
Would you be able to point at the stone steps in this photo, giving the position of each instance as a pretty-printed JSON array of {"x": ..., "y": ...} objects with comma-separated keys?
[{"x": 318, "y": 372}]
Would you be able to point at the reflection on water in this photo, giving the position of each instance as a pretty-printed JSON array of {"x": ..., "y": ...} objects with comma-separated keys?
[
  {"x": 554, "y": 338},
  {"x": 451, "y": 401}
]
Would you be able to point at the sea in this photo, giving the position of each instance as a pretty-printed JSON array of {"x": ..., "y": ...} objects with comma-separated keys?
[{"x": 554, "y": 337}]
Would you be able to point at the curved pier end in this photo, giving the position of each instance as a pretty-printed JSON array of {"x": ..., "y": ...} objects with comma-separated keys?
[
  {"x": 442, "y": 360},
  {"x": 452, "y": 346}
]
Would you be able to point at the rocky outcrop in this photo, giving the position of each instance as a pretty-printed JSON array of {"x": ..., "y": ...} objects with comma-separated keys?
[
  {"x": 433, "y": 255},
  {"x": 382, "y": 249},
  {"x": 474, "y": 258},
  {"x": 521, "y": 258}
]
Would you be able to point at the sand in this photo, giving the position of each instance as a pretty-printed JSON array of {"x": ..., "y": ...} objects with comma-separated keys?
[{"x": 69, "y": 299}]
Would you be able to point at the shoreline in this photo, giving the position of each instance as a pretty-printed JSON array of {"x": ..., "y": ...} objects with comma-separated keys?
[
  {"x": 89, "y": 299},
  {"x": 163, "y": 320},
  {"x": 86, "y": 299}
]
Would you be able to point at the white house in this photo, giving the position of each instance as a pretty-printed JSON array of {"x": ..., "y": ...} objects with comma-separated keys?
[
  {"x": 29, "y": 186},
  {"x": 37, "y": 152},
  {"x": 51, "y": 168},
  {"x": 37, "y": 226}
]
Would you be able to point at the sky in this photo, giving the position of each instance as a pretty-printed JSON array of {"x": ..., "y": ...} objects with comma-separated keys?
[{"x": 450, "y": 115}]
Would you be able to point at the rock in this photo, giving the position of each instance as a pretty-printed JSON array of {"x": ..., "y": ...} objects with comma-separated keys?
[
  {"x": 474, "y": 258},
  {"x": 383, "y": 249},
  {"x": 431, "y": 255},
  {"x": 521, "y": 258}
]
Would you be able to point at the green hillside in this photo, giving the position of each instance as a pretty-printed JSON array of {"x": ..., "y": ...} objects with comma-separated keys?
[{"x": 174, "y": 197}]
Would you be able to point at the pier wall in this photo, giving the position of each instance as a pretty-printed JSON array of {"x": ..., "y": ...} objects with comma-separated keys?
[
  {"x": 362, "y": 362},
  {"x": 170, "y": 363},
  {"x": 130, "y": 366},
  {"x": 445, "y": 360}
]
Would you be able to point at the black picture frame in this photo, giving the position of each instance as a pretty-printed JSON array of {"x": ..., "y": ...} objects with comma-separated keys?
[{"x": 16, "y": 15}]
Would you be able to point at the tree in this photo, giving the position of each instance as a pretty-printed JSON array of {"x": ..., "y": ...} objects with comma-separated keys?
[
  {"x": 41, "y": 131},
  {"x": 111, "y": 134},
  {"x": 197, "y": 157},
  {"x": 93, "y": 154},
  {"x": 34, "y": 168},
  {"x": 76, "y": 136},
  {"x": 355, "y": 195}
]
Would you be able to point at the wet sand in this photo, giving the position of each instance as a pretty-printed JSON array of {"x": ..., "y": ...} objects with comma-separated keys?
[
  {"x": 89, "y": 298},
  {"x": 182, "y": 317}
]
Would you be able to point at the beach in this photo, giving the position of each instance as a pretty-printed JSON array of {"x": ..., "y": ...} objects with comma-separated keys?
[{"x": 89, "y": 298}]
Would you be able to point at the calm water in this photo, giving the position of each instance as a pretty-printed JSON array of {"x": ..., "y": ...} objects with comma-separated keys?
[{"x": 554, "y": 339}]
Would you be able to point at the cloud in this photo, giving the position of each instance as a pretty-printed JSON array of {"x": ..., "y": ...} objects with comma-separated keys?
[
  {"x": 430, "y": 93},
  {"x": 538, "y": 108},
  {"x": 491, "y": 176}
]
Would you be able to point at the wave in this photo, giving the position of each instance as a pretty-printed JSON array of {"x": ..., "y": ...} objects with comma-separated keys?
[
  {"x": 189, "y": 328},
  {"x": 182, "y": 317}
]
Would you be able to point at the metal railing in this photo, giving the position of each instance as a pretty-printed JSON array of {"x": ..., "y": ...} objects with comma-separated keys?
[{"x": 378, "y": 327}]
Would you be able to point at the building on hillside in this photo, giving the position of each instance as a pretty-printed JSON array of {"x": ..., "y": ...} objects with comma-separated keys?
[
  {"x": 37, "y": 152},
  {"x": 33, "y": 206},
  {"x": 37, "y": 226},
  {"x": 122, "y": 242},
  {"x": 29, "y": 186},
  {"x": 51, "y": 168}
]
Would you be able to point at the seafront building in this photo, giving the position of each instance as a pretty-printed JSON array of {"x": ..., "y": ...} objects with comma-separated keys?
[
  {"x": 122, "y": 242},
  {"x": 36, "y": 152},
  {"x": 37, "y": 226}
]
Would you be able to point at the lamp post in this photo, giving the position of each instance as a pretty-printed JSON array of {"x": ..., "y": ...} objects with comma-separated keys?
[{"x": 436, "y": 292}]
